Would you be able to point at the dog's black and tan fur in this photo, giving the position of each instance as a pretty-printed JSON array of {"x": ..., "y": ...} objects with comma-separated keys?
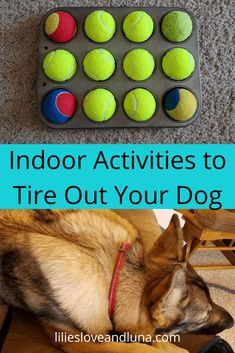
[{"x": 59, "y": 266}]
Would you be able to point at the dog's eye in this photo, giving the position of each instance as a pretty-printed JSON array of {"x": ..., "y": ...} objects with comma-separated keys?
[
  {"x": 209, "y": 311},
  {"x": 185, "y": 299}
]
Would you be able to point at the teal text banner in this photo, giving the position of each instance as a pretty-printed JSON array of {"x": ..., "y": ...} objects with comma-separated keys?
[{"x": 117, "y": 176}]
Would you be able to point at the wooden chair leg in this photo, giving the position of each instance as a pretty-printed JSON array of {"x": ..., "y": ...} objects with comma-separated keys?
[
  {"x": 197, "y": 237},
  {"x": 214, "y": 267},
  {"x": 228, "y": 254}
]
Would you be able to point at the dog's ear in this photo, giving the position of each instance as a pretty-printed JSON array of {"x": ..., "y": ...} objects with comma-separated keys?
[
  {"x": 167, "y": 311},
  {"x": 170, "y": 243}
]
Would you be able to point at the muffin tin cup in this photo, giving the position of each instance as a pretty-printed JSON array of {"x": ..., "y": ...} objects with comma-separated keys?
[{"x": 119, "y": 84}]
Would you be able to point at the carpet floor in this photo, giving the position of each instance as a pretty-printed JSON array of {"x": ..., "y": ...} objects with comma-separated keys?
[
  {"x": 19, "y": 50},
  {"x": 221, "y": 284}
]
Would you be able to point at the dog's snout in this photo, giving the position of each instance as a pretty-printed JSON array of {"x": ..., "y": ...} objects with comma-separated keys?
[
  {"x": 221, "y": 320},
  {"x": 228, "y": 321}
]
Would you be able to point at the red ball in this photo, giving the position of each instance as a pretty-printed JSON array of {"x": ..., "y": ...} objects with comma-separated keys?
[
  {"x": 66, "y": 103},
  {"x": 60, "y": 26}
]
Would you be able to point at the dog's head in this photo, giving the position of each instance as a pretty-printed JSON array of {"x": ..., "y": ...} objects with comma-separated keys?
[{"x": 180, "y": 301}]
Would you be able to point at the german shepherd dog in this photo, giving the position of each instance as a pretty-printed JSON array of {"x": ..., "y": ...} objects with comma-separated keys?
[{"x": 59, "y": 265}]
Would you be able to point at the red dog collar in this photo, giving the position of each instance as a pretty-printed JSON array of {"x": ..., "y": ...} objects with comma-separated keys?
[{"x": 113, "y": 289}]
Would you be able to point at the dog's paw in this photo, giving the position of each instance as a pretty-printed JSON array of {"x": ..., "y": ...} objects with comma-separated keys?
[
  {"x": 144, "y": 348},
  {"x": 3, "y": 312},
  {"x": 167, "y": 347}
]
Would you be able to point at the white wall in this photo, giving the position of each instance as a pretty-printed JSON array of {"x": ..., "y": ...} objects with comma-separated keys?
[{"x": 164, "y": 216}]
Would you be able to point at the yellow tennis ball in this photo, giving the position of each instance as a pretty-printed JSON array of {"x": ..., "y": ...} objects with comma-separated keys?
[
  {"x": 140, "y": 104},
  {"x": 99, "y": 105},
  {"x": 178, "y": 64},
  {"x": 138, "y": 26},
  {"x": 100, "y": 26},
  {"x": 99, "y": 64},
  {"x": 139, "y": 64},
  {"x": 59, "y": 65},
  {"x": 177, "y": 26}
]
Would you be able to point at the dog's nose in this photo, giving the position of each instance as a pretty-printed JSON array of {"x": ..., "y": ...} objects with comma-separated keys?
[
  {"x": 225, "y": 319},
  {"x": 228, "y": 321}
]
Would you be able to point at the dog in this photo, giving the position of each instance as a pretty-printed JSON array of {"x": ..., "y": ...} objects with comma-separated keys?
[{"x": 85, "y": 271}]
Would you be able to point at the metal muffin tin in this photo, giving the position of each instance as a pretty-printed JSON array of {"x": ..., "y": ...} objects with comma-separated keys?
[{"x": 119, "y": 84}]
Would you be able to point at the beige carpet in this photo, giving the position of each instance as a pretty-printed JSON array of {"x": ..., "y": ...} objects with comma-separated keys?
[
  {"x": 19, "y": 42},
  {"x": 221, "y": 284}
]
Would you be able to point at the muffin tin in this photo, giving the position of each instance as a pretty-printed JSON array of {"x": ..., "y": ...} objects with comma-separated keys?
[{"x": 119, "y": 84}]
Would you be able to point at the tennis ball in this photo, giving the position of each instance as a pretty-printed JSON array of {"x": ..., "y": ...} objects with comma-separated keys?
[
  {"x": 59, "y": 65},
  {"x": 59, "y": 106},
  {"x": 139, "y": 104},
  {"x": 138, "y": 64},
  {"x": 177, "y": 26},
  {"x": 60, "y": 26},
  {"x": 180, "y": 104},
  {"x": 178, "y": 64},
  {"x": 138, "y": 26},
  {"x": 99, "y": 64},
  {"x": 99, "y": 105},
  {"x": 100, "y": 26}
]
